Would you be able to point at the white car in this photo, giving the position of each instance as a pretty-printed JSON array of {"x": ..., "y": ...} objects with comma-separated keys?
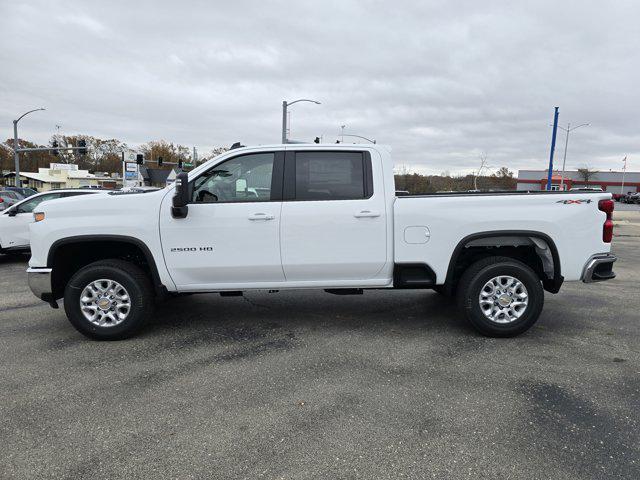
[
  {"x": 287, "y": 217},
  {"x": 15, "y": 220},
  {"x": 586, "y": 189}
]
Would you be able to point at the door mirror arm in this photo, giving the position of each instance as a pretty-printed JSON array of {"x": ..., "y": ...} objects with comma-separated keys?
[{"x": 182, "y": 196}]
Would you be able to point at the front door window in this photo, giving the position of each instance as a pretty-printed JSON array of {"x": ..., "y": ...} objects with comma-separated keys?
[{"x": 242, "y": 179}]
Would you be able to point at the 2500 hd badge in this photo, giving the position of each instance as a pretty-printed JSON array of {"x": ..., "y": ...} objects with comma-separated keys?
[{"x": 191, "y": 249}]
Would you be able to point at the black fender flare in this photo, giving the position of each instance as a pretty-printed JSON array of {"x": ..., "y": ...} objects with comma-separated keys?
[
  {"x": 155, "y": 276},
  {"x": 552, "y": 285}
]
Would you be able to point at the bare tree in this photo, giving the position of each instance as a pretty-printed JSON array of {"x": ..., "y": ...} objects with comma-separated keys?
[
  {"x": 586, "y": 173},
  {"x": 483, "y": 165}
]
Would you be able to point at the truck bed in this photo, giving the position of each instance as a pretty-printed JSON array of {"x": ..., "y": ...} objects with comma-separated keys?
[{"x": 570, "y": 221}]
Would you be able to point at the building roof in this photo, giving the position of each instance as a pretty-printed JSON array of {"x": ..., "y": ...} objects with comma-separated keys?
[
  {"x": 41, "y": 177},
  {"x": 597, "y": 176}
]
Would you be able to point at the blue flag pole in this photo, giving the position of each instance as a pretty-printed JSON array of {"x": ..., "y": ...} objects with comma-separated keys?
[{"x": 553, "y": 147}]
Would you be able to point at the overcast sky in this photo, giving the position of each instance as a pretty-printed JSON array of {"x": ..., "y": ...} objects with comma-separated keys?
[{"x": 441, "y": 82}]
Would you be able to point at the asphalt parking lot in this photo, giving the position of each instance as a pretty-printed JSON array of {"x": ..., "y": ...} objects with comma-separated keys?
[{"x": 310, "y": 385}]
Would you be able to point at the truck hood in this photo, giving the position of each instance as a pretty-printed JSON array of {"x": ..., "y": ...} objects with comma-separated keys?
[{"x": 102, "y": 205}]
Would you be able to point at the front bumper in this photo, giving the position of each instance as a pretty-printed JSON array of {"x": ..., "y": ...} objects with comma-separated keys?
[
  {"x": 40, "y": 283},
  {"x": 599, "y": 268}
]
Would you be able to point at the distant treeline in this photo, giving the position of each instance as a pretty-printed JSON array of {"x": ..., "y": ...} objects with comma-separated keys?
[
  {"x": 105, "y": 155},
  {"x": 415, "y": 183}
]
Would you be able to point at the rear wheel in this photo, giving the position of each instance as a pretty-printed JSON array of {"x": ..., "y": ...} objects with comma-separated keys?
[
  {"x": 500, "y": 296},
  {"x": 108, "y": 299}
]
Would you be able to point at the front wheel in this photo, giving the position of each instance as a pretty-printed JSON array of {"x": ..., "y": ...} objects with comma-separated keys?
[
  {"x": 108, "y": 299},
  {"x": 500, "y": 296}
]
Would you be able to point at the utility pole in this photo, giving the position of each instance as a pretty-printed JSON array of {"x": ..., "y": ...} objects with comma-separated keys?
[
  {"x": 624, "y": 170},
  {"x": 342, "y": 133},
  {"x": 123, "y": 169},
  {"x": 285, "y": 105},
  {"x": 553, "y": 147},
  {"x": 566, "y": 143},
  {"x": 16, "y": 150}
]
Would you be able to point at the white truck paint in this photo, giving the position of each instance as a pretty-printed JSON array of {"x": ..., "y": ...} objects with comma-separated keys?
[{"x": 354, "y": 241}]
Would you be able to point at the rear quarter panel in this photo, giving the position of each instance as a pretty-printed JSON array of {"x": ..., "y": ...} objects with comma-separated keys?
[{"x": 575, "y": 227}]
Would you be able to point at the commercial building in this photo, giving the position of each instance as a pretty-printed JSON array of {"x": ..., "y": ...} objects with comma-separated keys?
[
  {"x": 608, "y": 181},
  {"x": 64, "y": 175}
]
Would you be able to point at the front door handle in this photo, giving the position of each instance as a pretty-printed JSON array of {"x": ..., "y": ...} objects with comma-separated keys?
[
  {"x": 367, "y": 214},
  {"x": 261, "y": 216}
]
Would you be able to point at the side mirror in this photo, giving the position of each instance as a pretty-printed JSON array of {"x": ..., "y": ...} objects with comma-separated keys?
[
  {"x": 13, "y": 212},
  {"x": 181, "y": 197}
]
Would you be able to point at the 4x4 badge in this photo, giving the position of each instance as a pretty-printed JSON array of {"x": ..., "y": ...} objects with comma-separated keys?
[{"x": 570, "y": 202}]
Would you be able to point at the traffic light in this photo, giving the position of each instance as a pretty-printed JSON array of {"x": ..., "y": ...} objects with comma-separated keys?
[
  {"x": 139, "y": 159},
  {"x": 54, "y": 144},
  {"x": 159, "y": 161},
  {"x": 83, "y": 147},
  {"x": 180, "y": 164}
]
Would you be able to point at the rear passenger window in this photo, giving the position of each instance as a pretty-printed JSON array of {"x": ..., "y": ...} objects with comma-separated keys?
[{"x": 330, "y": 176}]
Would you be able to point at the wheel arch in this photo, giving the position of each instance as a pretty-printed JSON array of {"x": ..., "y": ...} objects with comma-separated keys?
[
  {"x": 512, "y": 238},
  {"x": 84, "y": 248}
]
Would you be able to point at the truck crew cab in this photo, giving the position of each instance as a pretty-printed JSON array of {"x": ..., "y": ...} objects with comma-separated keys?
[{"x": 314, "y": 216}]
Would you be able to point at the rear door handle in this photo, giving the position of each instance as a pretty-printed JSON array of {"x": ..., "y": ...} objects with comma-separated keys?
[
  {"x": 261, "y": 216},
  {"x": 367, "y": 214}
]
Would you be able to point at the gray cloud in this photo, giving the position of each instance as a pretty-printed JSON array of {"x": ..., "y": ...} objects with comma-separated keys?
[{"x": 440, "y": 82}]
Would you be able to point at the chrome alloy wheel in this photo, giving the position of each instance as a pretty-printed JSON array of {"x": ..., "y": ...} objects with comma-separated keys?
[
  {"x": 503, "y": 299},
  {"x": 105, "y": 303}
]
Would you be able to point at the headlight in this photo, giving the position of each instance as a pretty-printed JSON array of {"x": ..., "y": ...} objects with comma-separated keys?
[{"x": 38, "y": 216}]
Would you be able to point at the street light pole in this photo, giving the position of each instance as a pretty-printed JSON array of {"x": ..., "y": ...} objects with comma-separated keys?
[
  {"x": 566, "y": 144},
  {"x": 624, "y": 170},
  {"x": 285, "y": 105},
  {"x": 16, "y": 154},
  {"x": 284, "y": 121}
]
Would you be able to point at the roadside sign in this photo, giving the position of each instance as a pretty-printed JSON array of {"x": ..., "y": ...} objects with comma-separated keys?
[
  {"x": 63, "y": 166},
  {"x": 131, "y": 174}
]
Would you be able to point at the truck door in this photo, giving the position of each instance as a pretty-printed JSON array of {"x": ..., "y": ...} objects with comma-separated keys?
[
  {"x": 333, "y": 221},
  {"x": 231, "y": 234}
]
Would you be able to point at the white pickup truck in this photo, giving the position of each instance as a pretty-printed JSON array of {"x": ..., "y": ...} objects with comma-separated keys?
[{"x": 313, "y": 216}]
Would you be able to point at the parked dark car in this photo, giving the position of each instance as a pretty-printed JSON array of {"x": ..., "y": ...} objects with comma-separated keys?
[
  {"x": 626, "y": 197},
  {"x": 24, "y": 191},
  {"x": 631, "y": 197}
]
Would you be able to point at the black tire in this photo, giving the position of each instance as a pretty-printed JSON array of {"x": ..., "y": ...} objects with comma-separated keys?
[
  {"x": 481, "y": 272},
  {"x": 131, "y": 277}
]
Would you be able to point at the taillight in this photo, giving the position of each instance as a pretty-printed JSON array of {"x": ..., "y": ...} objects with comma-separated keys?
[{"x": 606, "y": 206}]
